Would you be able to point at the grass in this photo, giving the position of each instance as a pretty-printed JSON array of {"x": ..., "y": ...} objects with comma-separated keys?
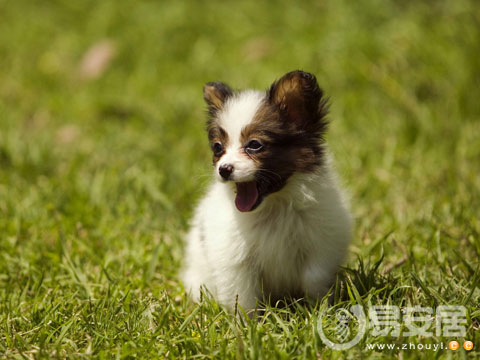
[{"x": 99, "y": 173}]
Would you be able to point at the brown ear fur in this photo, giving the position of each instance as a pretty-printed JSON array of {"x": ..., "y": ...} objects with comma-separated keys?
[
  {"x": 215, "y": 94},
  {"x": 298, "y": 96}
]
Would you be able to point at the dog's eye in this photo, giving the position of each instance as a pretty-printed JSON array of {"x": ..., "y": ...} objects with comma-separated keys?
[
  {"x": 217, "y": 149},
  {"x": 254, "y": 146}
]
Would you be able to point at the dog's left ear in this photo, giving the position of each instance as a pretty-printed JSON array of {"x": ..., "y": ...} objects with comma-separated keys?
[
  {"x": 215, "y": 94},
  {"x": 298, "y": 96}
]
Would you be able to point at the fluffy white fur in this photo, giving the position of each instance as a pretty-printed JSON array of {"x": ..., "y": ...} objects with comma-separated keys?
[{"x": 295, "y": 239}]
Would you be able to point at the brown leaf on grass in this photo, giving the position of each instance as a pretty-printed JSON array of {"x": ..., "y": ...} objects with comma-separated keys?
[
  {"x": 257, "y": 48},
  {"x": 67, "y": 134},
  {"x": 96, "y": 59}
]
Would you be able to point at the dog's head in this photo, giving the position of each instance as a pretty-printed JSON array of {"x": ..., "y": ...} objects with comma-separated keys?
[{"x": 259, "y": 139}]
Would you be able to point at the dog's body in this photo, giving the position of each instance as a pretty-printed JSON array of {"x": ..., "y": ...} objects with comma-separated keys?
[{"x": 286, "y": 229}]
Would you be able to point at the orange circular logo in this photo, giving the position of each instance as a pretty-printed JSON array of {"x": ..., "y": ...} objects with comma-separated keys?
[
  {"x": 453, "y": 345},
  {"x": 468, "y": 345}
]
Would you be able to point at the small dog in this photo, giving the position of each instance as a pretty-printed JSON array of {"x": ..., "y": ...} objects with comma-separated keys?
[{"x": 274, "y": 224}]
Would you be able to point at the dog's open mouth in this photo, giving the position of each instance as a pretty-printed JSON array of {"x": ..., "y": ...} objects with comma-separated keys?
[{"x": 248, "y": 196}]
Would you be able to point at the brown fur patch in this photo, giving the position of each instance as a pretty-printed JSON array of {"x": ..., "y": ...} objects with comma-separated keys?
[
  {"x": 290, "y": 123},
  {"x": 216, "y": 134},
  {"x": 215, "y": 94}
]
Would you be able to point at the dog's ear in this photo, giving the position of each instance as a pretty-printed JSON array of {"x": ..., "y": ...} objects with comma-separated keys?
[
  {"x": 298, "y": 96},
  {"x": 215, "y": 94}
]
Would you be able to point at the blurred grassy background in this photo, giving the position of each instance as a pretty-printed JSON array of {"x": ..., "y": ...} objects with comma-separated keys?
[{"x": 103, "y": 156}]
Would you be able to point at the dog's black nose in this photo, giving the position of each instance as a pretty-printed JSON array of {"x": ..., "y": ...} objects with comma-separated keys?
[{"x": 225, "y": 171}]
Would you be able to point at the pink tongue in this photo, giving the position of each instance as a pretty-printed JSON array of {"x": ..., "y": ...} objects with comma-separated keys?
[{"x": 247, "y": 195}]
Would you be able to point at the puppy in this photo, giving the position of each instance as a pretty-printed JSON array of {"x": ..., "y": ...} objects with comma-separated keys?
[{"x": 275, "y": 223}]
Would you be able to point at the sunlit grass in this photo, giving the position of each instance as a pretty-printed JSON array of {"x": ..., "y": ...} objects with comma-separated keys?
[{"x": 99, "y": 173}]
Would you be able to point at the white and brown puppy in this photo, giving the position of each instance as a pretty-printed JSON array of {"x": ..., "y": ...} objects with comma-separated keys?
[{"x": 274, "y": 224}]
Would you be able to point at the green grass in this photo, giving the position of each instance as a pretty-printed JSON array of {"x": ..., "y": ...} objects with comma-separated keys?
[{"x": 99, "y": 177}]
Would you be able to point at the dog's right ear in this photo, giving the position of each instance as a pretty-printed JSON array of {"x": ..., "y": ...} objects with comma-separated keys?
[{"x": 215, "y": 94}]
